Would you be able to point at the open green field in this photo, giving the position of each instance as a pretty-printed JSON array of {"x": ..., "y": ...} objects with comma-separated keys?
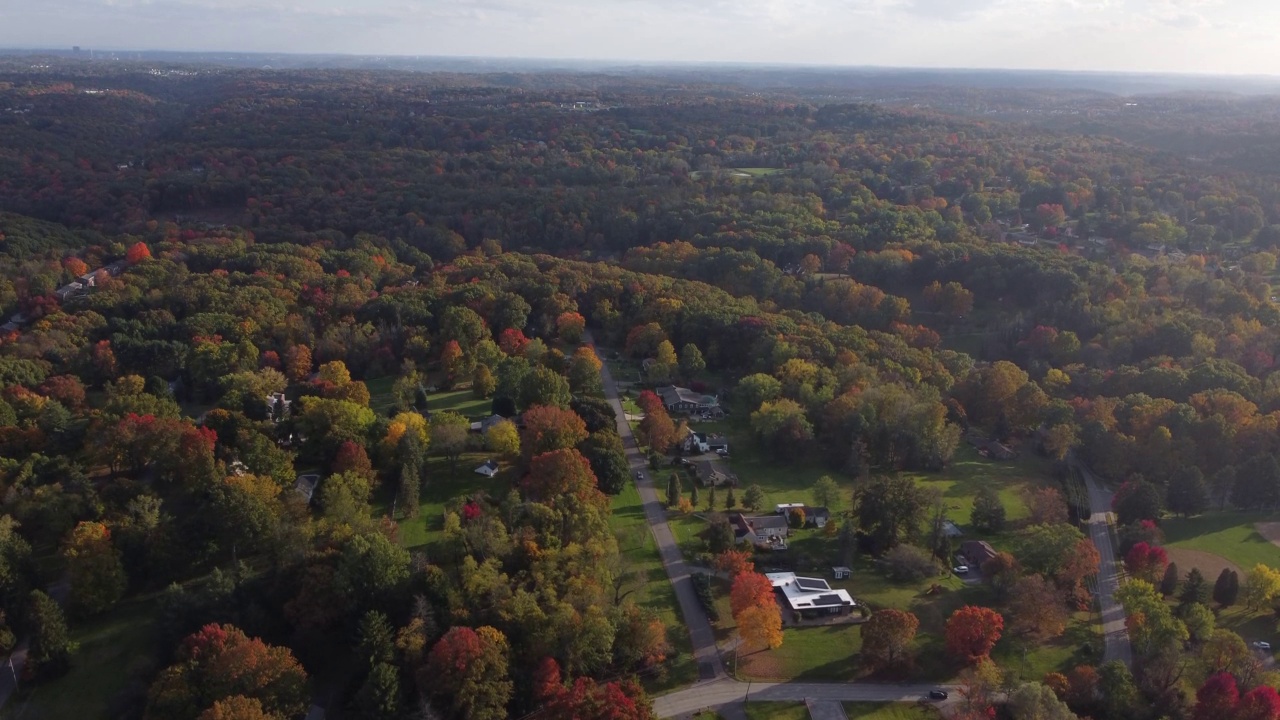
[
  {"x": 1229, "y": 534},
  {"x": 380, "y": 399},
  {"x": 777, "y": 711},
  {"x": 959, "y": 483},
  {"x": 1081, "y": 644},
  {"x": 890, "y": 711},
  {"x": 463, "y": 401},
  {"x": 117, "y": 650},
  {"x": 651, "y": 588},
  {"x": 445, "y": 482}
]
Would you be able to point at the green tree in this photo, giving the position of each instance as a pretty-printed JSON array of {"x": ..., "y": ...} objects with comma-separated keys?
[
  {"x": 1158, "y": 630},
  {"x": 1169, "y": 583},
  {"x": 483, "y": 382},
  {"x": 379, "y": 696},
  {"x": 753, "y": 500},
  {"x": 1137, "y": 500},
  {"x": 691, "y": 361},
  {"x": 543, "y": 386},
  {"x": 1223, "y": 589},
  {"x": 449, "y": 432},
  {"x": 826, "y": 493},
  {"x": 503, "y": 439},
  {"x": 94, "y": 568},
  {"x": 467, "y": 671},
  {"x": 988, "y": 514},
  {"x": 720, "y": 536},
  {"x": 376, "y": 640},
  {"x": 1261, "y": 587},
  {"x": 1188, "y": 493},
  {"x": 890, "y": 510},
  {"x": 408, "y": 492},
  {"x": 783, "y": 426},
  {"x": 1049, "y": 549},
  {"x": 673, "y": 490},
  {"x": 608, "y": 460},
  {"x": 1195, "y": 589},
  {"x": 711, "y": 499},
  {"x": 50, "y": 649},
  {"x": 755, "y": 390}
]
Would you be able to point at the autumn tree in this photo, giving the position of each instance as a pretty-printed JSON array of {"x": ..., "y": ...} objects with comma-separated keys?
[
  {"x": 972, "y": 631},
  {"x": 887, "y": 638},
  {"x": 220, "y": 662},
  {"x": 783, "y": 426},
  {"x": 352, "y": 457},
  {"x": 1002, "y": 572},
  {"x": 656, "y": 429},
  {"x": 503, "y": 439},
  {"x": 1046, "y": 506},
  {"x": 734, "y": 562},
  {"x": 482, "y": 382},
  {"x": 449, "y": 432},
  {"x": 94, "y": 569},
  {"x": 1146, "y": 562},
  {"x": 570, "y": 326},
  {"x": 562, "y": 472},
  {"x": 237, "y": 707},
  {"x": 467, "y": 671},
  {"x": 755, "y": 610},
  {"x": 1261, "y": 587},
  {"x": 298, "y": 363},
  {"x": 137, "y": 252},
  {"x": 584, "y": 372},
  {"x": 548, "y": 428},
  {"x": 1217, "y": 698},
  {"x": 1036, "y": 609}
]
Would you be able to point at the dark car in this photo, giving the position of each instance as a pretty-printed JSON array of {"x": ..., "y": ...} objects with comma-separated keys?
[
  {"x": 937, "y": 694},
  {"x": 639, "y": 475}
]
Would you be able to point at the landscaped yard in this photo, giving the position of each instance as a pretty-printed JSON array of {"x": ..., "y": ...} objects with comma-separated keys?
[
  {"x": 445, "y": 482},
  {"x": 1081, "y": 644},
  {"x": 116, "y": 650},
  {"x": 1229, "y": 534}
]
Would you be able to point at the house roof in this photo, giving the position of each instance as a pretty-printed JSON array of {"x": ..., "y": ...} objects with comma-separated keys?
[
  {"x": 816, "y": 512},
  {"x": 672, "y": 394},
  {"x": 977, "y": 551},
  {"x": 767, "y": 522},
  {"x": 805, "y": 592}
]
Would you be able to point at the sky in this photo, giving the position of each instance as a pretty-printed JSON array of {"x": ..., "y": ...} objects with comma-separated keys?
[{"x": 1185, "y": 36}]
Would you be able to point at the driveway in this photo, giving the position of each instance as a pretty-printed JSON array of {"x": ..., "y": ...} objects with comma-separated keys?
[{"x": 1115, "y": 633}]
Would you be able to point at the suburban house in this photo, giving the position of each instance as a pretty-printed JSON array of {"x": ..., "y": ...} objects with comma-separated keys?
[
  {"x": 712, "y": 473},
  {"x": 816, "y": 516},
  {"x": 768, "y": 531},
  {"x": 684, "y": 400},
  {"x": 488, "y": 469},
  {"x": 811, "y": 597},
  {"x": 976, "y": 553},
  {"x": 482, "y": 426},
  {"x": 696, "y": 442},
  {"x": 306, "y": 486}
]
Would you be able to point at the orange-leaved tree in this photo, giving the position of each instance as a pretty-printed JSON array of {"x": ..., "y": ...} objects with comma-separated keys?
[
  {"x": 972, "y": 631},
  {"x": 754, "y": 609}
]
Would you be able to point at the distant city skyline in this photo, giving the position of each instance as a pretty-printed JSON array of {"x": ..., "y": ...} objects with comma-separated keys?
[{"x": 1174, "y": 36}]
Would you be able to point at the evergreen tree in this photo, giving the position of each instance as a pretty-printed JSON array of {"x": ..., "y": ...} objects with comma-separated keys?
[
  {"x": 673, "y": 490},
  {"x": 1233, "y": 590},
  {"x": 1194, "y": 588},
  {"x": 407, "y": 496},
  {"x": 379, "y": 696},
  {"x": 1169, "y": 584},
  {"x": 1222, "y": 589},
  {"x": 1188, "y": 493},
  {"x": 711, "y": 498},
  {"x": 730, "y": 500},
  {"x": 693, "y": 495}
]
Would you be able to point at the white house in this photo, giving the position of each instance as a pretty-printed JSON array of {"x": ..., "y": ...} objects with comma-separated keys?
[
  {"x": 811, "y": 597},
  {"x": 489, "y": 469},
  {"x": 769, "y": 531}
]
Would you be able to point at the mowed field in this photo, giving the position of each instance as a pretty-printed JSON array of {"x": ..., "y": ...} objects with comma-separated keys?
[{"x": 1232, "y": 536}]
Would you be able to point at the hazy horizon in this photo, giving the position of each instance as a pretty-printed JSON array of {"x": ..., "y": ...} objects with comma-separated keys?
[{"x": 1196, "y": 37}]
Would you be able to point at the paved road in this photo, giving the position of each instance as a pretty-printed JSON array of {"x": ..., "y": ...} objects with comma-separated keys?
[
  {"x": 710, "y": 666},
  {"x": 731, "y": 693},
  {"x": 1115, "y": 634}
]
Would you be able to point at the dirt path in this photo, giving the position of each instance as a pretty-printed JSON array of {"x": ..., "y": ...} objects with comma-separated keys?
[
  {"x": 1270, "y": 531},
  {"x": 1209, "y": 564}
]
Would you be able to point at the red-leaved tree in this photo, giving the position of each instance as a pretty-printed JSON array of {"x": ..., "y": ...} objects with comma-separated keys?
[
  {"x": 972, "y": 631},
  {"x": 1146, "y": 562}
]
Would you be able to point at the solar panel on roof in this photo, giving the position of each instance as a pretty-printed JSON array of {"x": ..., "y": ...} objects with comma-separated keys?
[
  {"x": 827, "y": 600},
  {"x": 812, "y": 585}
]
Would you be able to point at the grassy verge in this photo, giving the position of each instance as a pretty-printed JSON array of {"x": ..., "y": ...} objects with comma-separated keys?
[
  {"x": 777, "y": 711},
  {"x": 890, "y": 711},
  {"x": 650, "y": 587},
  {"x": 116, "y": 658}
]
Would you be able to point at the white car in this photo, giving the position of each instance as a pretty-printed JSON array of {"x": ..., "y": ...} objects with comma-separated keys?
[
  {"x": 1261, "y": 645},
  {"x": 960, "y": 569}
]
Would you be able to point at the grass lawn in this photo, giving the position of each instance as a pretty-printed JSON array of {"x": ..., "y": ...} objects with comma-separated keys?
[
  {"x": 444, "y": 483},
  {"x": 380, "y": 399},
  {"x": 1250, "y": 625},
  {"x": 117, "y": 651},
  {"x": 1229, "y": 534},
  {"x": 959, "y": 483},
  {"x": 890, "y": 711},
  {"x": 463, "y": 402},
  {"x": 651, "y": 588},
  {"x": 777, "y": 711},
  {"x": 1081, "y": 644}
]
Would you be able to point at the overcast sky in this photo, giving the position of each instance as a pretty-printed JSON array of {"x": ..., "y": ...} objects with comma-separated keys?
[{"x": 1202, "y": 36}]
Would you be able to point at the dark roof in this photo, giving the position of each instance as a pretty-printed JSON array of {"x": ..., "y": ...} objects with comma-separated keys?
[
  {"x": 977, "y": 551},
  {"x": 827, "y": 601},
  {"x": 813, "y": 512},
  {"x": 768, "y": 522}
]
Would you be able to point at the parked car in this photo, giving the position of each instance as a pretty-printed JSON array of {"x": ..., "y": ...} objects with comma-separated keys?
[
  {"x": 639, "y": 475},
  {"x": 937, "y": 694},
  {"x": 960, "y": 569},
  {"x": 1261, "y": 645}
]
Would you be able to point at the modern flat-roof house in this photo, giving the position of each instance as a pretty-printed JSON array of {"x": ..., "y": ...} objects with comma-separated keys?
[
  {"x": 684, "y": 400},
  {"x": 811, "y": 597},
  {"x": 769, "y": 531}
]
